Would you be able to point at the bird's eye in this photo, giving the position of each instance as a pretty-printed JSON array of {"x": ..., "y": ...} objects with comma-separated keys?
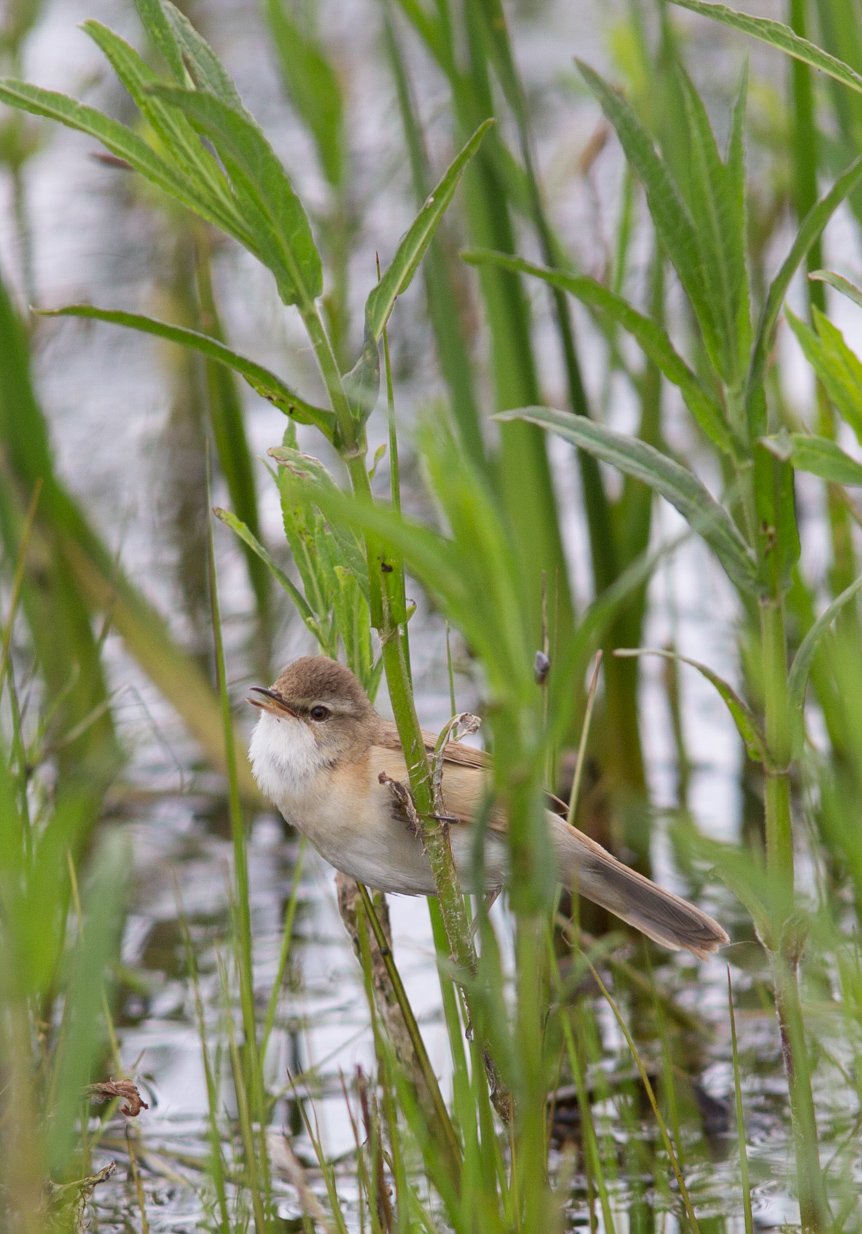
[{"x": 319, "y": 713}]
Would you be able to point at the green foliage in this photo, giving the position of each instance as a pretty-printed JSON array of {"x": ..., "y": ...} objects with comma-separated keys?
[
  {"x": 779, "y": 36},
  {"x": 48, "y": 1062},
  {"x": 744, "y": 718},
  {"x": 413, "y": 247},
  {"x": 499, "y": 531},
  {"x": 836, "y": 366},
  {"x": 261, "y": 380},
  {"x": 653, "y": 339},
  {"x": 818, "y": 455},
  {"x": 313, "y": 86},
  {"x": 331, "y": 562},
  {"x": 675, "y": 482}
]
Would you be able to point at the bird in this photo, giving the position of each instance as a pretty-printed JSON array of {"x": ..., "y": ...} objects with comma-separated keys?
[{"x": 322, "y": 755}]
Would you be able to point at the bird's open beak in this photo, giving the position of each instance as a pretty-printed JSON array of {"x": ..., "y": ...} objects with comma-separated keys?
[{"x": 270, "y": 701}]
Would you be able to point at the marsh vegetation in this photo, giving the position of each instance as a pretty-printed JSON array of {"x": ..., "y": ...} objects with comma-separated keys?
[{"x": 527, "y": 386}]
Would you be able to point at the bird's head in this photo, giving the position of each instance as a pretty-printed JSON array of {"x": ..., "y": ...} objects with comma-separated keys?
[{"x": 315, "y": 715}]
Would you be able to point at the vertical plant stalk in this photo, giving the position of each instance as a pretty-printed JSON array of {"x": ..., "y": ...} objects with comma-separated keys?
[
  {"x": 252, "y": 1062},
  {"x": 17, "y": 581},
  {"x": 740, "y": 1117},
  {"x": 785, "y": 946}
]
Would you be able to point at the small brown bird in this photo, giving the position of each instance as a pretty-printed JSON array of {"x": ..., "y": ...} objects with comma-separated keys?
[{"x": 318, "y": 751}]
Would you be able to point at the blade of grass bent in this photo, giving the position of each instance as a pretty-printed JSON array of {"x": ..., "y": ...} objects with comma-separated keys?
[
  {"x": 412, "y": 248},
  {"x": 654, "y": 341},
  {"x": 777, "y": 35},
  {"x": 675, "y": 482},
  {"x": 810, "y": 230},
  {"x": 264, "y": 382}
]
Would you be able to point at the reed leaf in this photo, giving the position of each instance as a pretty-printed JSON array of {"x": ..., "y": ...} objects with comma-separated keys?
[
  {"x": 667, "y": 477},
  {"x": 744, "y": 718},
  {"x": 261, "y": 380},
  {"x": 414, "y": 245},
  {"x": 777, "y": 35},
  {"x": 800, "y": 669},
  {"x": 835, "y": 364},
  {"x": 810, "y": 230},
  {"x": 271, "y": 210},
  {"x": 653, "y": 339}
]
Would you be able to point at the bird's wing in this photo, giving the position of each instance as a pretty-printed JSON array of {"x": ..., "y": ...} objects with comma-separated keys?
[
  {"x": 464, "y": 773},
  {"x": 460, "y": 763},
  {"x": 456, "y": 754}
]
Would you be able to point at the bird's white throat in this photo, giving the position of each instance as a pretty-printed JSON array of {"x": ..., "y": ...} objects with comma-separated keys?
[{"x": 285, "y": 758}]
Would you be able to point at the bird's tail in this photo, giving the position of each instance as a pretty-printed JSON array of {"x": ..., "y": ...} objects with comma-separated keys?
[{"x": 664, "y": 917}]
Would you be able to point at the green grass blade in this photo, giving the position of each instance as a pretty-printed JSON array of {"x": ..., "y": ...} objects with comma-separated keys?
[
  {"x": 312, "y": 85},
  {"x": 271, "y": 209},
  {"x": 721, "y": 237},
  {"x": 740, "y": 1116},
  {"x": 821, "y": 456},
  {"x": 801, "y": 667},
  {"x": 652, "y": 338},
  {"x": 443, "y": 299},
  {"x": 157, "y": 26},
  {"x": 675, "y": 482},
  {"x": 671, "y": 215},
  {"x": 835, "y": 364},
  {"x": 206, "y": 69},
  {"x": 743, "y": 717},
  {"x": 412, "y": 248},
  {"x": 115, "y": 137},
  {"x": 840, "y": 284},
  {"x": 284, "y": 953},
  {"x": 179, "y": 139},
  {"x": 779, "y": 36},
  {"x": 238, "y": 526},
  {"x": 264, "y": 382},
  {"x": 225, "y": 405},
  {"x": 97, "y": 943},
  {"x": 810, "y": 230}
]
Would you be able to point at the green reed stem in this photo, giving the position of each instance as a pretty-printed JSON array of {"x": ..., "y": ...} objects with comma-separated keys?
[
  {"x": 216, "y": 1163},
  {"x": 779, "y": 832},
  {"x": 243, "y": 1111},
  {"x": 784, "y": 945},
  {"x": 740, "y": 1117},
  {"x": 284, "y": 954},
  {"x": 17, "y": 581}
]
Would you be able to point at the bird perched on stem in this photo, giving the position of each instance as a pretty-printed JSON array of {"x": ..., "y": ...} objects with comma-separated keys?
[{"x": 326, "y": 759}]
